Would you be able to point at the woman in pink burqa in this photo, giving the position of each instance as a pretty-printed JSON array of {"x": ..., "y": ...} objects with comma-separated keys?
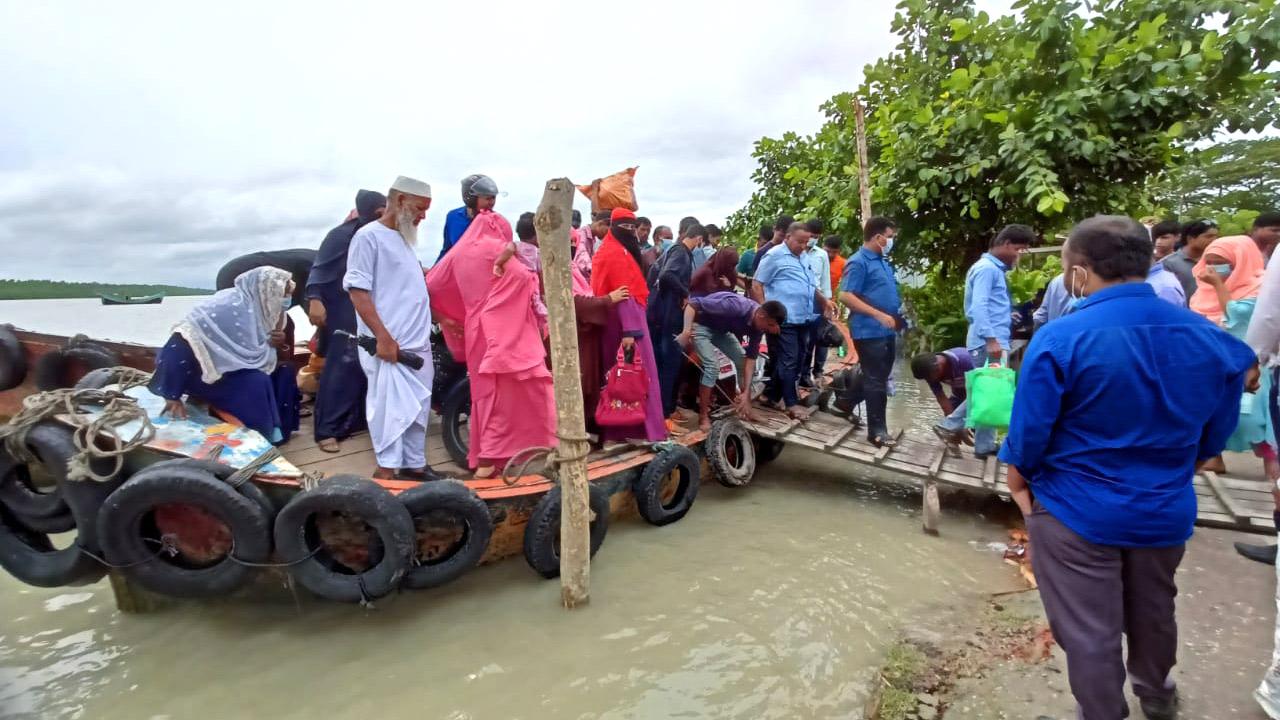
[{"x": 490, "y": 323}]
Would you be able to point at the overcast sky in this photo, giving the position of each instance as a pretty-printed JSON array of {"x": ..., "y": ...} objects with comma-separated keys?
[{"x": 151, "y": 142}]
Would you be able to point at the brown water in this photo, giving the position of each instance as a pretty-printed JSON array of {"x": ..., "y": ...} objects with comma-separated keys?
[{"x": 774, "y": 601}]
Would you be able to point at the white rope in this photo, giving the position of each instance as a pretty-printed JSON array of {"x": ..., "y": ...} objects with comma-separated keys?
[{"x": 117, "y": 410}]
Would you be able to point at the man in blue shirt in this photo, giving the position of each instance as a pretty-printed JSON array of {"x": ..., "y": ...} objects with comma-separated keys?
[
  {"x": 1055, "y": 304},
  {"x": 989, "y": 309},
  {"x": 784, "y": 275},
  {"x": 870, "y": 291},
  {"x": 1101, "y": 452},
  {"x": 479, "y": 193}
]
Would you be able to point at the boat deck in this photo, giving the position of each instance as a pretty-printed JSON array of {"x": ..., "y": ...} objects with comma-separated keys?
[
  {"x": 355, "y": 456},
  {"x": 1239, "y": 500}
]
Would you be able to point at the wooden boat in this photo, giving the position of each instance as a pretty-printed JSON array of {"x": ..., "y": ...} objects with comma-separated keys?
[{"x": 110, "y": 298}]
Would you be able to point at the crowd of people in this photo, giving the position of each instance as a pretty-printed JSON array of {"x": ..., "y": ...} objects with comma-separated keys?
[{"x": 1109, "y": 505}]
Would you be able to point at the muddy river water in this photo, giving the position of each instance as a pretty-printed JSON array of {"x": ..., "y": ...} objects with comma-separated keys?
[{"x": 774, "y": 601}]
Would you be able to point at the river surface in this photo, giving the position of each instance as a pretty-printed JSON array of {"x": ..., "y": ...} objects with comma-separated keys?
[
  {"x": 143, "y": 324},
  {"x": 772, "y": 601}
]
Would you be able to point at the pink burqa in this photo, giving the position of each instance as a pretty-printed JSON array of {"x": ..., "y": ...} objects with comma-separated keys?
[{"x": 512, "y": 400}]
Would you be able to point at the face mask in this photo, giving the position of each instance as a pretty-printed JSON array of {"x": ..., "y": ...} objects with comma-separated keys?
[
  {"x": 623, "y": 233},
  {"x": 888, "y": 246},
  {"x": 1075, "y": 304},
  {"x": 813, "y": 242},
  {"x": 286, "y": 303},
  {"x": 1072, "y": 290},
  {"x": 1222, "y": 270}
]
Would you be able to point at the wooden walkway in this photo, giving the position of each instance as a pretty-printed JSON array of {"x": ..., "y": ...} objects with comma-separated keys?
[{"x": 1236, "y": 502}]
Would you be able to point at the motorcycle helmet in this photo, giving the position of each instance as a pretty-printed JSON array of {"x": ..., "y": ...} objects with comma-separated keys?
[{"x": 473, "y": 186}]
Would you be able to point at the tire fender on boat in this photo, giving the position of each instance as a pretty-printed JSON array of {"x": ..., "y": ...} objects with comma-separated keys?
[
  {"x": 53, "y": 368},
  {"x": 542, "y": 534},
  {"x": 730, "y": 452},
  {"x": 223, "y": 472},
  {"x": 767, "y": 449},
  {"x": 13, "y": 361},
  {"x": 139, "y": 527},
  {"x": 679, "y": 463},
  {"x": 313, "y": 564},
  {"x": 25, "y": 549},
  {"x": 96, "y": 379},
  {"x": 452, "y": 501},
  {"x": 52, "y": 444},
  {"x": 457, "y": 400}
]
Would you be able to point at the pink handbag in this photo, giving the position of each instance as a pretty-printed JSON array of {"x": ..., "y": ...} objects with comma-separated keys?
[{"x": 626, "y": 388}]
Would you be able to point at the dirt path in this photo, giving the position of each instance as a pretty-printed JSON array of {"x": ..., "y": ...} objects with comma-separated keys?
[{"x": 989, "y": 663}]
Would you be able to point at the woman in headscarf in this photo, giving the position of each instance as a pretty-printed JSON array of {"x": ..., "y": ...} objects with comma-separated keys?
[
  {"x": 717, "y": 274},
  {"x": 512, "y": 399},
  {"x": 340, "y": 398},
  {"x": 616, "y": 265},
  {"x": 1228, "y": 278},
  {"x": 225, "y": 354}
]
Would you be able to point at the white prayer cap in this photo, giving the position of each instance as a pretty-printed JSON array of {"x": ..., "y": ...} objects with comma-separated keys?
[{"x": 409, "y": 186}]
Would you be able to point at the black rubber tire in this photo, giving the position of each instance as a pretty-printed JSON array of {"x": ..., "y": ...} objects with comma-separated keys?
[
  {"x": 542, "y": 534},
  {"x": 222, "y": 472},
  {"x": 29, "y": 556},
  {"x": 457, "y": 439},
  {"x": 52, "y": 369},
  {"x": 318, "y": 571},
  {"x": 13, "y": 361},
  {"x": 96, "y": 379},
  {"x": 66, "y": 522},
  {"x": 460, "y": 502},
  {"x": 730, "y": 452},
  {"x": 53, "y": 445},
  {"x": 124, "y": 530},
  {"x": 767, "y": 450},
  {"x": 648, "y": 487}
]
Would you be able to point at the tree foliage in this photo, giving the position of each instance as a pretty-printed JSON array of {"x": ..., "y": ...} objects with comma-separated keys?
[
  {"x": 1241, "y": 175},
  {"x": 1061, "y": 111},
  {"x": 52, "y": 289}
]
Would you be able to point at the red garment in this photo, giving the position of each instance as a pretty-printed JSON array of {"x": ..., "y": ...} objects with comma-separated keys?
[
  {"x": 512, "y": 400},
  {"x": 614, "y": 267}
]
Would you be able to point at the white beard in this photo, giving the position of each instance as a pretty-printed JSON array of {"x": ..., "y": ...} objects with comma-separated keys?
[{"x": 408, "y": 230}]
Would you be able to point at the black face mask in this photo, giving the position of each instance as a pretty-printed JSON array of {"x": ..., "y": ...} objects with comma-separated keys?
[{"x": 622, "y": 233}]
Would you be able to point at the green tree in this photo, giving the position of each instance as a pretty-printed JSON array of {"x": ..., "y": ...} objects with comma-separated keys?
[
  {"x": 1060, "y": 111},
  {"x": 1224, "y": 178}
]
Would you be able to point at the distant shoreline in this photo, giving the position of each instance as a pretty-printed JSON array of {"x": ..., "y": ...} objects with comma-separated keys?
[{"x": 59, "y": 290}]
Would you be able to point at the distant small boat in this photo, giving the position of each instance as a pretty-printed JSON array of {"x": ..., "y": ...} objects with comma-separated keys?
[{"x": 116, "y": 299}]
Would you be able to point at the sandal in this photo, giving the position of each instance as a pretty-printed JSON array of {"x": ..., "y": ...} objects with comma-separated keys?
[
  {"x": 882, "y": 441},
  {"x": 329, "y": 445}
]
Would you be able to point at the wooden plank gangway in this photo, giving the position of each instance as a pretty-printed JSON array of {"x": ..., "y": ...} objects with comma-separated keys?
[{"x": 1238, "y": 503}]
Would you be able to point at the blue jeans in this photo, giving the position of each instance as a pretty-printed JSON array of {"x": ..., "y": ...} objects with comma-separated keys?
[
  {"x": 706, "y": 341},
  {"x": 984, "y": 439}
]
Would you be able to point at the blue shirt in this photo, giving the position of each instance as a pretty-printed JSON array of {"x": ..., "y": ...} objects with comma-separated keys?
[
  {"x": 987, "y": 304},
  {"x": 701, "y": 255},
  {"x": 870, "y": 276},
  {"x": 1116, "y": 402},
  {"x": 787, "y": 279},
  {"x": 455, "y": 225},
  {"x": 1056, "y": 303},
  {"x": 1167, "y": 285}
]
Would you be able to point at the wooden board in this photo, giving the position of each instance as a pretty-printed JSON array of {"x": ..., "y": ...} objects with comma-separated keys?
[{"x": 1223, "y": 501}]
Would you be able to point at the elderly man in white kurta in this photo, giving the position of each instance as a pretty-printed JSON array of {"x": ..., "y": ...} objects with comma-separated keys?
[{"x": 385, "y": 280}]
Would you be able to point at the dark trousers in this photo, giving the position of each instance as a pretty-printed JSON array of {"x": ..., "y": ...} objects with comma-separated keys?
[
  {"x": 669, "y": 357},
  {"x": 814, "y": 357},
  {"x": 785, "y": 351},
  {"x": 1093, "y": 594},
  {"x": 875, "y": 357}
]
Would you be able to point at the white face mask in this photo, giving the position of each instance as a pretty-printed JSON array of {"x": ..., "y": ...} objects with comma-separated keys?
[
  {"x": 888, "y": 246},
  {"x": 1072, "y": 290}
]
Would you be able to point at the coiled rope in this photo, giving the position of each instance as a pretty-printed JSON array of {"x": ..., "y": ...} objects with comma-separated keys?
[{"x": 117, "y": 410}]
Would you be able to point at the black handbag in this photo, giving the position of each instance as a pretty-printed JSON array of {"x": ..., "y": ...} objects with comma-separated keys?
[{"x": 829, "y": 336}]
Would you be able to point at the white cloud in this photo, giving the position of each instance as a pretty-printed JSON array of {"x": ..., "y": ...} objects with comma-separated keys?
[{"x": 149, "y": 141}]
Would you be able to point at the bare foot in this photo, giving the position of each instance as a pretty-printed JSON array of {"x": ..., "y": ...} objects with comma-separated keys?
[
  {"x": 484, "y": 471},
  {"x": 329, "y": 445}
]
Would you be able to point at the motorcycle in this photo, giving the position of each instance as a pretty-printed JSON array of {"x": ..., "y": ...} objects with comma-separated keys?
[{"x": 451, "y": 398}]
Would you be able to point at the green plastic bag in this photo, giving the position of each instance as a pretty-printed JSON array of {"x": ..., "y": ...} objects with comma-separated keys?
[{"x": 990, "y": 392}]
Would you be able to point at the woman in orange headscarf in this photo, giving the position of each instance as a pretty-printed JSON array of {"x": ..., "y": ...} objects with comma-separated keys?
[{"x": 1228, "y": 278}]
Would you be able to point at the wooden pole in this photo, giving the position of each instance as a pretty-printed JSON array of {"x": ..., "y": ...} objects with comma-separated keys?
[
  {"x": 864, "y": 181},
  {"x": 552, "y": 224}
]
